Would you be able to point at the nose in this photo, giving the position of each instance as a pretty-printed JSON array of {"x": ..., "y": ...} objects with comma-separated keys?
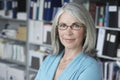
[{"x": 69, "y": 31}]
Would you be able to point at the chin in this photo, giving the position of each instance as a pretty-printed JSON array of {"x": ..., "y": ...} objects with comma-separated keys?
[{"x": 69, "y": 47}]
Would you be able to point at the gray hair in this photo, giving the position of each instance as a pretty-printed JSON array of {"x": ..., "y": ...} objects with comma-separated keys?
[{"x": 83, "y": 16}]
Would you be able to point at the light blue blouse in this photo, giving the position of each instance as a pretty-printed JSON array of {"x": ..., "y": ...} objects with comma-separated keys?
[{"x": 82, "y": 67}]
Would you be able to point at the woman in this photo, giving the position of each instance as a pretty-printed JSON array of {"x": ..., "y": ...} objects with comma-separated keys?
[{"x": 73, "y": 40}]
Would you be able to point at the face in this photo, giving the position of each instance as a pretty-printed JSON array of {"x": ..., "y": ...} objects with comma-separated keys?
[{"x": 71, "y": 39}]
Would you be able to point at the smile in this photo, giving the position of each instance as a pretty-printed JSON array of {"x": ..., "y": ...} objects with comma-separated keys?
[{"x": 69, "y": 40}]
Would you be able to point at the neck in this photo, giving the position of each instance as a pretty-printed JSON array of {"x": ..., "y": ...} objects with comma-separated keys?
[{"x": 69, "y": 53}]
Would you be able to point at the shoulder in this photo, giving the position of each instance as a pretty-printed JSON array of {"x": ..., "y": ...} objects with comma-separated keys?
[
  {"x": 44, "y": 68},
  {"x": 90, "y": 65},
  {"x": 49, "y": 59},
  {"x": 88, "y": 60}
]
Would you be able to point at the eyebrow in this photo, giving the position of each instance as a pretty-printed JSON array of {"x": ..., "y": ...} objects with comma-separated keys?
[{"x": 71, "y": 24}]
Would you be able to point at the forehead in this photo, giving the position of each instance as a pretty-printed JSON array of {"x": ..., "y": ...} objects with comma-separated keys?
[{"x": 67, "y": 17}]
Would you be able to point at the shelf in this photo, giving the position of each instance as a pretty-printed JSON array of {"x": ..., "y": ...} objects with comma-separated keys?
[
  {"x": 12, "y": 62},
  {"x": 107, "y": 57},
  {"x": 45, "y": 45},
  {"x": 108, "y": 28},
  {"x": 12, "y": 39},
  {"x": 10, "y": 19},
  {"x": 33, "y": 70}
]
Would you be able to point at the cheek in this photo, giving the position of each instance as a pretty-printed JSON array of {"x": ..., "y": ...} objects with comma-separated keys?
[
  {"x": 80, "y": 36},
  {"x": 60, "y": 34}
]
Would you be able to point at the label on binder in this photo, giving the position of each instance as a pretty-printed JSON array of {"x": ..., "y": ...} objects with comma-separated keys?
[{"x": 112, "y": 8}]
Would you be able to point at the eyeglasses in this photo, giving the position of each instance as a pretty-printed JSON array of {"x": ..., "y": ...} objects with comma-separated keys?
[{"x": 74, "y": 26}]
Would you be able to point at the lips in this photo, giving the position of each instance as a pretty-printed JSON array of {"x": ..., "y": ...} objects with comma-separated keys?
[{"x": 69, "y": 40}]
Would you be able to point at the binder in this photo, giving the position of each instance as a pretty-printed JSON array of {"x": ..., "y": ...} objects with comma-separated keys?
[
  {"x": 47, "y": 34},
  {"x": 21, "y": 5},
  {"x": 101, "y": 14},
  {"x": 20, "y": 53},
  {"x": 1, "y": 49},
  {"x": 35, "y": 59},
  {"x": 111, "y": 43},
  {"x": 41, "y": 9},
  {"x": 14, "y": 8},
  {"x": 119, "y": 17},
  {"x": 55, "y": 9},
  {"x": 8, "y": 12},
  {"x": 113, "y": 14},
  {"x": 1, "y": 7},
  {"x": 47, "y": 16},
  {"x": 31, "y": 31},
  {"x": 105, "y": 76},
  {"x": 36, "y": 32},
  {"x": 100, "y": 41},
  {"x": 34, "y": 9},
  {"x": 22, "y": 10},
  {"x": 9, "y": 5},
  {"x": 37, "y": 10},
  {"x": 106, "y": 17},
  {"x": 106, "y": 41},
  {"x": 3, "y": 71},
  {"x": 31, "y": 9},
  {"x": 56, "y": 4}
]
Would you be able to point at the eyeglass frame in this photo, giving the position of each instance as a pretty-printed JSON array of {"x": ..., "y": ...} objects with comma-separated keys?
[{"x": 71, "y": 26}]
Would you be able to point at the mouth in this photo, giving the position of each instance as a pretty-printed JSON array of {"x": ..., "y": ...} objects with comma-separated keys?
[{"x": 69, "y": 40}]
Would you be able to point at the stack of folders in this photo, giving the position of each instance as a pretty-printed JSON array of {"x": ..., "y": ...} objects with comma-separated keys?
[
  {"x": 45, "y": 9},
  {"x": 12, "y": 52},
  {"x": 110, "y": 70},
  {"x": 13, "y": 9},
  {"x": 11, "y": 72},
  {"x": 35, "y": 59},
  {"x": 108, "y": 42},
  {"x": 108, "y": 14}
]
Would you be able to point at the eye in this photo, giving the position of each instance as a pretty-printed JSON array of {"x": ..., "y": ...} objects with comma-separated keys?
[
  {"x": 62, "y": 25},
  {"x": 76, "y": 26}
]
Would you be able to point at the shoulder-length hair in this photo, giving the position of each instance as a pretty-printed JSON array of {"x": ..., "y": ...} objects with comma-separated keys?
[{"x": 83, "y": 16}]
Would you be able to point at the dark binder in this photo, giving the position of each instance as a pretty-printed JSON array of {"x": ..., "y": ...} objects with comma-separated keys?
[
  {"x": 21, "y": 5},
  {"x": 35, "y": 64},
  {"x": 56, "y": 4},
  {"x": 14, "y": 8},
  {"x": 112, "y": 41},
  {"x": 1, "y": 6},
  {"x": 47, "y": 16},
  {"x": 113, "y": 14},
  {"x": 8, "y": 7},
  {"x": 105, "y": 47},
  {"x": 31, "y": 9}
]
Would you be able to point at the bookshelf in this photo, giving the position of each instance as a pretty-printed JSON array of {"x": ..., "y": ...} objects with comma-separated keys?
[
  {"x": 13, "y": 47},
  {"x": 108, "y": 40}
]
